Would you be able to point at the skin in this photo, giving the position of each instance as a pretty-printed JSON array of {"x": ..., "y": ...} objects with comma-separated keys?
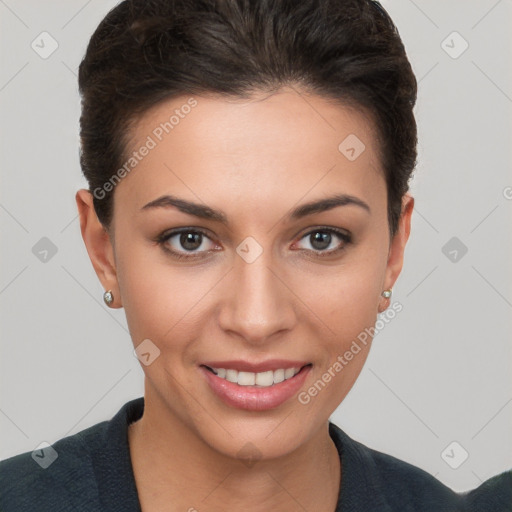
[{"x": 255, "y": 159}]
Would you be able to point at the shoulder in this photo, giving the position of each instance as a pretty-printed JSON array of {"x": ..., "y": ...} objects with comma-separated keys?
[
  {"x": 391, "y": 482},
  {"x": 90, "y": 470},
  {"x": 494, "y": 494},
  {"x": 412, "y": 488},
  {"x": 56, "y": 477}
]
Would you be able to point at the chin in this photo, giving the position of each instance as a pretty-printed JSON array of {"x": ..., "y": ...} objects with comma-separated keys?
[{"x": 255, "y": 441}]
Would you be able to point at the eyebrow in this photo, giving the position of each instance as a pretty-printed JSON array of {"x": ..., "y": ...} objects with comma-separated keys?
[{"x": 205, "y": 212}]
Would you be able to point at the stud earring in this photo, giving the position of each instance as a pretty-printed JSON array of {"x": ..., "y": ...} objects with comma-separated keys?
[
  {"x": 387, "y": 293},
  {"x": 108, "y": 297}
]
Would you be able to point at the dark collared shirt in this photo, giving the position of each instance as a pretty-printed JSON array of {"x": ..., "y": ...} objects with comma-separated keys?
[{"x": 93, "y": 472}]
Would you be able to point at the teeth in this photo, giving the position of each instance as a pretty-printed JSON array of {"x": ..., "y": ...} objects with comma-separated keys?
[
  {"x": 278, "y": 376},
  {"x": 262, "y": 379},
  {"x": 289, "y": 373},
  {"x": 231, "y": 376},
  {"x": 246, "y": 378}
]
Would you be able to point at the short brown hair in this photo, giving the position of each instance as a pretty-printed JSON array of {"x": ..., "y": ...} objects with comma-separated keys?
[{"x": 146, "y": 51}]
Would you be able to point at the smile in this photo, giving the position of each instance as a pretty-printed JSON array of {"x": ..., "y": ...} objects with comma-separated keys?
[
  {"x": 260, "y": 379},
  {"x": 255, "y": 390}
]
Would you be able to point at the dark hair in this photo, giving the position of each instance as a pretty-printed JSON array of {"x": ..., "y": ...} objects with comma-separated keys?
[{"x": 146, "y": 51}]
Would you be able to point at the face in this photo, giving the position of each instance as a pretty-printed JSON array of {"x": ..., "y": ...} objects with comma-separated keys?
[{"x": 254, "y": 278}]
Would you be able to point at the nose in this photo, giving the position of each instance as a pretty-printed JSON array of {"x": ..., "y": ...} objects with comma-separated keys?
[{"x": 258, "y": 302}]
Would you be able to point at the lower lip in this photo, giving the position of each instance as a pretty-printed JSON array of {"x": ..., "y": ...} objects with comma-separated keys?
[{"x": 253, "y": 398}]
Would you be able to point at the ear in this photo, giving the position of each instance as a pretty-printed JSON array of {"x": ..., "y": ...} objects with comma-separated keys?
[
  {"x": 397, "y": 246},
  {"x": 99, "y": 245}
]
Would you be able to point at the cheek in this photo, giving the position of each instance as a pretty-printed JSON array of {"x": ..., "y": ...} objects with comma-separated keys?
[
  {"x": 147, "y": 292},
  {"x": 344, "y": 298},
  {"x": 161, "y": 301},
  {"x": 349, "y": 312},
  {"x": 352, "y": 308}
]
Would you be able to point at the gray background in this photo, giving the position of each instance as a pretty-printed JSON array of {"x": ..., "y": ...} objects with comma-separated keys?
[{"x": 439, "y": 372}]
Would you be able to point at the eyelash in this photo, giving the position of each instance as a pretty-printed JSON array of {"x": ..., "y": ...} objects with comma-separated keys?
[{"x": 163, "y": 238}]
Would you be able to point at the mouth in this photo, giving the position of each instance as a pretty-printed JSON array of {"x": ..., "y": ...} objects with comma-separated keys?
[
  {"x": 266, "y": 387},
  {"x": 263, "y": 379}
]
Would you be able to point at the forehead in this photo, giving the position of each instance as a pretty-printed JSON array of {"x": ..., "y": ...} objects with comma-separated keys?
[{"x": 264, "y": 147}]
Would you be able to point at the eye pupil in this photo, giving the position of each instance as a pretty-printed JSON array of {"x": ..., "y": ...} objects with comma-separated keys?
[
  {"x": 190, "y": 241},
  {"x": 321, "y": 237}
]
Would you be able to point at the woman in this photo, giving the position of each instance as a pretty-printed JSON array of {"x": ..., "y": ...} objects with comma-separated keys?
[{"x": 248, "y": 207}]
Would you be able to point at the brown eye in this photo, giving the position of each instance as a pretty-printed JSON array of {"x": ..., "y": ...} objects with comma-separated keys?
[
  {"x": 321, "y": 239},
  {"x": 186, "y": 243},
  {"x": 190, "y": 241}
]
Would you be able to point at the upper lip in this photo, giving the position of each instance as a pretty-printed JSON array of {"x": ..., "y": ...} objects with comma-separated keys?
[{"x": 263, "y": 366}]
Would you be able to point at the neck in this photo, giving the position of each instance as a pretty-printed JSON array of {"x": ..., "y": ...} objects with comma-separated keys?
[{"x": 175, "y": 469}]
